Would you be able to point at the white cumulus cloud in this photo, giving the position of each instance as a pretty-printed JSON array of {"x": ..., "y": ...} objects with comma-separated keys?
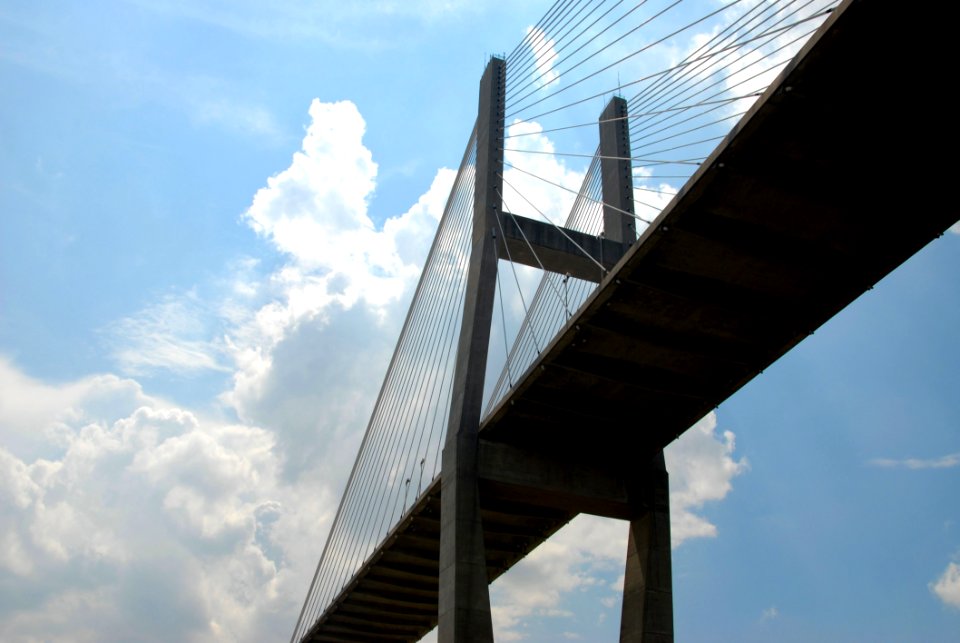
[
  {"x": 147, "y": 524},
  {"x": 702, "y": 469},
  {"x": 947, "y": 587},
  {"x": 309, "y": 360}
]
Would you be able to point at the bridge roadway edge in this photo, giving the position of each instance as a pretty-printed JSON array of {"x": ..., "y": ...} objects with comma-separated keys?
[{"x": 794, "y": 227}]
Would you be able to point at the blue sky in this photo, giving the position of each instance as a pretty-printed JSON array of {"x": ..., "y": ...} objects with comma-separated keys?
[{"x": 189, "y": 349}]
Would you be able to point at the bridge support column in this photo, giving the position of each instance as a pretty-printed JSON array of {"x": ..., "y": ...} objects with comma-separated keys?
[
  {"x": 464, "y": 595},
  {"x": 647, "y": 613},
  {"x": 616, "y": 173}
]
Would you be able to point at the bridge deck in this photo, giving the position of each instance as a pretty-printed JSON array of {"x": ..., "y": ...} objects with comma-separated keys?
[{"x": 795, "y": 215}]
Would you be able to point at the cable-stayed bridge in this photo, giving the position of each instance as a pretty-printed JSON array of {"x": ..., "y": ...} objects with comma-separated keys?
[{"x": 676, "y": 271}]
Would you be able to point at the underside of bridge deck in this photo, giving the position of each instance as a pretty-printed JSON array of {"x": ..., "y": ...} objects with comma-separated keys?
[
  {"x": 790, "y": 220},
  {"x": 394, "y": 596}
]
